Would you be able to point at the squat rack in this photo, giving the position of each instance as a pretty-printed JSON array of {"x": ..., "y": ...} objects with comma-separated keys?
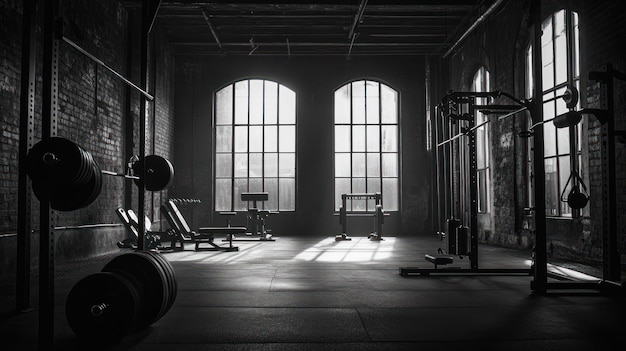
[{"x": 52, "y": 35}]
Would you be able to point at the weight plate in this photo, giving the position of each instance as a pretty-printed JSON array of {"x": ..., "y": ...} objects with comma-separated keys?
[
  {"x": 72, "y": 197},
  {"x": 171, "y": 277},
  {"x": 159, "y": 172},
  {"x": 102, "y": 308},
  {"x": 153, "y": 283},
  {"x": 56, "y": 161}
]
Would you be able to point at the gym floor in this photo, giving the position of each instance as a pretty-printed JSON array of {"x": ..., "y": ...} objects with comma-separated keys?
[{"x": 318, "y": 294}]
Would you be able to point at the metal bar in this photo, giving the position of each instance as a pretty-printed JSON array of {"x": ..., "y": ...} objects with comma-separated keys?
[
  {"x": 473, "y": 194},
  {"x": 405, "y": 271},
  {"x": 49, "y": 110},
  {"x": 540, "y": 273},
  {"x": 101, "y": 63},
  {"x": 145, "y": 34},
  {"x": 27, "y": 119},
  {"x": 153, "y": 16},
  {"x": 476, "y": 23},
  {"x": 357, "y": 19},
  {"x": 119, "y": 174},
  {"x": 213, "y": 32},
  {"x": 89, "y": 226}
]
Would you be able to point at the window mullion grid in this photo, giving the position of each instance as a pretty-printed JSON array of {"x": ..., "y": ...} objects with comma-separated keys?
[
  {"x": 263, "y": 142},
  {"x": 380, "y": 142},
  {"x": 366, "y": 144}
]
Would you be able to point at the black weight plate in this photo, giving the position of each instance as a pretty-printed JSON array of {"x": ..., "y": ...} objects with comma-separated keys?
[
  {"x": 159, "y": 172},
  {"x": 68, "y": 167},
  {"x": 152, "y": 279},
  {"x": 73, "y": 197},
  {"x": 171, "y": 277},
  {"x": 168, "y": 282},
  {"x": 115, "y": 320}
]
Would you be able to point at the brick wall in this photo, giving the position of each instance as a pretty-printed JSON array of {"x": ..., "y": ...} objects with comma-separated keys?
[{"x": 93, "y": 107}]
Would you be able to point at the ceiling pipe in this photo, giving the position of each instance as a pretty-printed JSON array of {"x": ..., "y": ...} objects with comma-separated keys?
[
  {"x": 476, "y": 23},
  {"x": 358, "y": 18},
  {"x": 208, "y": 22}
]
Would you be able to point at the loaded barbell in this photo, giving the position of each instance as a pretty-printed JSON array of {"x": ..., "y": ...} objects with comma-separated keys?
[
  {"x": 70, "y": 178},
  {"x": 131, "y": 292}
]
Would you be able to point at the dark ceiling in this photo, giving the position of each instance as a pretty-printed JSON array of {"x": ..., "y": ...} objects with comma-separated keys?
[{"x": 357, "y": 27}]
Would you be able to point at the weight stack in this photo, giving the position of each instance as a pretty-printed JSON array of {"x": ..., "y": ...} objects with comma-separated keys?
[
  {"x": 131, "y": 292},
  {"x": 451, "y": 231},
  {"x": 462, "y": 233}
]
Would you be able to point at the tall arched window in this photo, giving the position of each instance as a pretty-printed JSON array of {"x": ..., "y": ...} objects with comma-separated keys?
[
  {"x": 481, "y": 84},
  {"x": 366, "y": 143},
  {"x": 255, "y": 144},
  {"x": 560, "y": 62}
]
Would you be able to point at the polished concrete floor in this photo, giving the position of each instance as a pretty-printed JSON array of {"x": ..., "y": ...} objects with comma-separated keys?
[{"x": 318, "y": 294}]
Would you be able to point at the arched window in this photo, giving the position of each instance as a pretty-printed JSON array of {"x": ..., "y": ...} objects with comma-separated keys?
[
  {"x": 481, "y": 84},
  {"x": 560, "y": 62},
  {"x": 366, "y": 143},
  {"x": 255, "y": 144}
]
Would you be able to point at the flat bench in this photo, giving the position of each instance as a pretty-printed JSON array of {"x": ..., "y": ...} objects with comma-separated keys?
[
  {"x": 228, "y": 231},
  {"x": 439, "y": 259}
]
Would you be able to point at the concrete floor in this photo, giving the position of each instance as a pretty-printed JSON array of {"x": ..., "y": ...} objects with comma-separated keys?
[{"x": 317, "y": 294}]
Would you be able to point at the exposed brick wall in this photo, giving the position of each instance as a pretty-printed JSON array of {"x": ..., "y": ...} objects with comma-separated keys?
[{"x": 93, "y": 104}]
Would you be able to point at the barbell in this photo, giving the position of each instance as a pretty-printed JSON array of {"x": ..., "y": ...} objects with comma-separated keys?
[
  {"x": 70, "y": 178},
  {"x": 130, "y": 293}
]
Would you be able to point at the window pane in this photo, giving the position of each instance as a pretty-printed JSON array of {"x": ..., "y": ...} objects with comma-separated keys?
[
  {"x": 271, "y": 102},
  {"x": 287, "y": 138},
  {"x": 342, "y": 138},
  {"x": 342, "y": 186},
  {"x": 373, "y": 138},
  {"x": 256, "y": 185},
  {"x": 552, "y": 187},
  {"x": 241, "y": 165},
  {"x": 389, "y": 105},
  {"x": 224, "y": 106},
  {"x": 358, "y": 102},
  {"x": 390, "y": 194},
  {"x": 390, "y": 165},
  {"x": 358, "y": 186},
  {"x": 271, "y": 139},
  {"x": 223, "y": 138},
  {"x": 271, "y": 187},
  {"x": 560, "y": 58},
  {"x": 256, "y": 101},
  {"x": 271, "y": 165},
  {"x": 241, "y": 139},
  {"x": 241, "y": 102},
  {"x": 480, "y": 147},
  {"x": 358, "y": 165},
  {"x": 372, "y": 101},
  {"x": 256, "y": 165},
  {"x": 286, "y": 105},
  {"x": 342, "y": 105},
  {"x": 241, "y": 186},
  {"x": 342, "y": 165},
  {"x": 223, "y": 165},
  {"x": 373, "y": 186},
  {"x": 390, "y": 138},
  {"x": 256, "y": 139},
  {"x": 373, "y": 165},
  {"x": 562, "y": 137},
  {"x": 358, "y": 138},
  {"x": 286, "y": 165},
  {"x": 287, "y": 194},
  {"x": 222, "y": 194}
]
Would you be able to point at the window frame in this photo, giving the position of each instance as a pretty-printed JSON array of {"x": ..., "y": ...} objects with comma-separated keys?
[
  {"x": 235, "y": 127},
  {"x": 482, "y": 170},
  {"x": 378, "y": 151},
  {"x": 563, "y": 158}
]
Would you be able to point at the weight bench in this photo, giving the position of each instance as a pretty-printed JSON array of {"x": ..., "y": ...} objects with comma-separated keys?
[
  {"x": 131, "y": 223},
  {"x": 439, "y": 259},
  {"x": 204, "y": 235}
]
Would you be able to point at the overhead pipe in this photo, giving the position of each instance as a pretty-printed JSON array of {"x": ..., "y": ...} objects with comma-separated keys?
[
  {"x": 476, "y": 23},
  {"x": 357, "y": 19}
]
